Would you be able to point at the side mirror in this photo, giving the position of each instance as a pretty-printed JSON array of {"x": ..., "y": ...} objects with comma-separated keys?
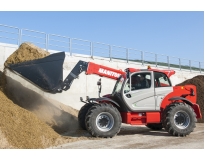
[
  {"x": 127, "y": 72},
  {"x": 99, "y": 87},
  {"x": 99, "y": 82}
]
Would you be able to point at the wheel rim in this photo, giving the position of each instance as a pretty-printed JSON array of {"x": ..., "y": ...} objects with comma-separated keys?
[
  {"x": 104, "y": 121},
  {"x": 181, "y": 119}
]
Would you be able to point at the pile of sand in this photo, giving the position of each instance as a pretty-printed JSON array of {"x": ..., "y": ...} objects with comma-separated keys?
[
  {"x": 22, "y": 123},
  {"x": 22, "y": 129},
  {"x": 26, "y": 52},
  {"x": 198, "y": 81},
  {"x": 57, "y": 115}
]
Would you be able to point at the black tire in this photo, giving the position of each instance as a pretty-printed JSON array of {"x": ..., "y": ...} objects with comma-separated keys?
[
  {"x": 103, "y": 120},
  {"x": 82, "y": 113},
  {"x": 155, "y": 126},
  {"x": 179, "y": 119}
]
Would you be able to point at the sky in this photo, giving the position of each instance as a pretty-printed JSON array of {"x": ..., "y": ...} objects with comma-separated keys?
[{"x": 173, "y": 33}]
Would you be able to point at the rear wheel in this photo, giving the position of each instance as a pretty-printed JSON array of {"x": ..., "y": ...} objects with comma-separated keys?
[
  {"x": 103, "y": 120},
  {"x": 82, "y": 113},
  {"x": 155, "y": 126},
  {"x": 179, "y": 119}
]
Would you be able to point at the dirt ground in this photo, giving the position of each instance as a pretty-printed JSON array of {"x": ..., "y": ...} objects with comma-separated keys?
[{"x": 141, "y": 137}]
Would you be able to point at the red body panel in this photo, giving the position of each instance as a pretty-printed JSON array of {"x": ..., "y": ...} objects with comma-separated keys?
[
  {"x": 197, "y": 110},
  {"x": 153, "y": 117},
  {"x": 140, "y": 118},
  {"x": 179, "y": 91},
  {"x": 103, "y": 71},
  {"x": 167, "y": 72},
  {"x": 108, "y": 72}
]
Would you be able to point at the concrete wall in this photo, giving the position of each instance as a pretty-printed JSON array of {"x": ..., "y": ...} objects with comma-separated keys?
[{"x": 85, "y": 85}]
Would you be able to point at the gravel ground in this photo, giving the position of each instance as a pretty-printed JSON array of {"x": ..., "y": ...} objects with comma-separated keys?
[{"x": 140, "y": 137}]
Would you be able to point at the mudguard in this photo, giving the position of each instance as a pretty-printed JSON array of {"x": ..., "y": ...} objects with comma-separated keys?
[
  {"x": 195, "y": 107},
  {"x": 104, "y": 99},
  {"x": 181, "y": 98}
]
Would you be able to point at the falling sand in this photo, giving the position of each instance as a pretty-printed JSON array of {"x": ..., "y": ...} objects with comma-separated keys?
[{"x": 28, "y": 120}]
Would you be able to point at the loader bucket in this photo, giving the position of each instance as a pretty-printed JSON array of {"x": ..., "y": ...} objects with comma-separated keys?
[{"x": 46, "y": 73}]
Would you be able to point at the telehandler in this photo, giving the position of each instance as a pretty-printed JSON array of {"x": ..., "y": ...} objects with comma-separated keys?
[{"x": 139, "y": 97}]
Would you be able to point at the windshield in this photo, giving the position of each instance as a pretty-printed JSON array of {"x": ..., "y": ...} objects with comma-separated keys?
[{"x": 118, "y": 85}]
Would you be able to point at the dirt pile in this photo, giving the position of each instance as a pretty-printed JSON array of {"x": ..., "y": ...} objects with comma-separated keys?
[
  {"x": 26, "y": 52},
  {"x": 57, "y": 115},
  {"x": 23, "y": 120},
  {"x": 198, "y": 81},
  {"x": 22, "y": 128},
  {"x": 36, "y": 126}
]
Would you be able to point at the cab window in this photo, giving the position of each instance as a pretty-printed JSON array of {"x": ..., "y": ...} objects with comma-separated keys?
[
  {"x": 140, "y": 81},
  {"x": 161, "y": 80}
]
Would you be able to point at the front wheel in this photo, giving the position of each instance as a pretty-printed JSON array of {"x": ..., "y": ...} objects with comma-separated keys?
[
  {"x": 179, "y": 119},
  {"x": 103, "y": 120},
  {"x": 82, "y": 113}
]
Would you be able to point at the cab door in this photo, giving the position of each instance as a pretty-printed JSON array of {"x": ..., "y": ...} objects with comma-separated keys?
[
  {"x": 140, "y": 98},
  {"x": 163, "y": 87}
]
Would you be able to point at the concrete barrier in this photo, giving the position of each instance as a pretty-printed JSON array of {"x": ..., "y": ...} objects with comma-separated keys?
[{"x": 86, "y": 85}]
